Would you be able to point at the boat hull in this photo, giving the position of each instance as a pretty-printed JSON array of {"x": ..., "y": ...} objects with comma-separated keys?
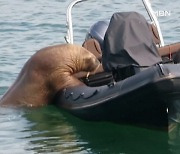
[{"x": 144, "y": 99}]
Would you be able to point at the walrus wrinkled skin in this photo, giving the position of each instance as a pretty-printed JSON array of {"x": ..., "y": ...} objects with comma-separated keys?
[{"x": 46, "y": 72}]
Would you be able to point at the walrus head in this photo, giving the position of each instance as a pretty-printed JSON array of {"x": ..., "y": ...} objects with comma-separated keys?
[
  {"x": 89, "y": 61},
  {"x": 81, "y": 60},
  {"x": 73, "y": 59}
]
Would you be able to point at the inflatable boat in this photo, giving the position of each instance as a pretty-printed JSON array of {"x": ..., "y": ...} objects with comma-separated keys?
[
  {"x": 134, "y": 94},
  {"x": 144, "y": 98}
]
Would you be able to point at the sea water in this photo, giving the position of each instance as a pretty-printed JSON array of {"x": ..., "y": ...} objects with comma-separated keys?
[{"x": 28, "y": 25}]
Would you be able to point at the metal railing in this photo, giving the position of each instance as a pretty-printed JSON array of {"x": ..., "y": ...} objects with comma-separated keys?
[
  {"x": 69, "y": 37},
  {"x": 154, "y": 20}
]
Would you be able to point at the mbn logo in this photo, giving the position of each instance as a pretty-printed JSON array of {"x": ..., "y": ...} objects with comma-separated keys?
[{"x": 162, "y": 13}]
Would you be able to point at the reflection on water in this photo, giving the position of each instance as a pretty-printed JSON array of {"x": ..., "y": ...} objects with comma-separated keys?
[
  {"x": 37, "y": 131},
  {"x": 174, "y": 126},
  {"x": 174, "y": 138},
  {"x": 51, "y": 133},
  {"x": 47, "y": 130},
  {"x": 12, "y": 126},
  {"x": 112, "y": 138}
]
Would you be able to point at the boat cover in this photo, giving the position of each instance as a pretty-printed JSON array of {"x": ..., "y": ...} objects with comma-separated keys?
[{"x": 129, "y": 41}]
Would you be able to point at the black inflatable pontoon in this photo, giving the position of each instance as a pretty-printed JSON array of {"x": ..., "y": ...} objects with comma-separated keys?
[
  {"x": 144, "y": 98},
  {"x": 140, "y": 88}
]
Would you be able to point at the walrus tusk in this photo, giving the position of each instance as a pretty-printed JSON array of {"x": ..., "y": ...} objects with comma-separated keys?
[
  {"x": 94, "y": 72},
  {"x": 88, "y": 73}
]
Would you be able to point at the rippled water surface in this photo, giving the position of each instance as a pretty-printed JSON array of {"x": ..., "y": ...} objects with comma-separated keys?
[{"x": 28, "y": 25}]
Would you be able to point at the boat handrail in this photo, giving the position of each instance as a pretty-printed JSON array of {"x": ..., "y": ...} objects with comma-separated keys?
[
  {"x": 69, "y": 37},
  {"x": 154, "y": 20},
  {"x": 147, "y": 4}
]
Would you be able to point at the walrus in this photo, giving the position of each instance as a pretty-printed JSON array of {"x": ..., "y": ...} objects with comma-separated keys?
[{"x": 48, "y": 71}]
